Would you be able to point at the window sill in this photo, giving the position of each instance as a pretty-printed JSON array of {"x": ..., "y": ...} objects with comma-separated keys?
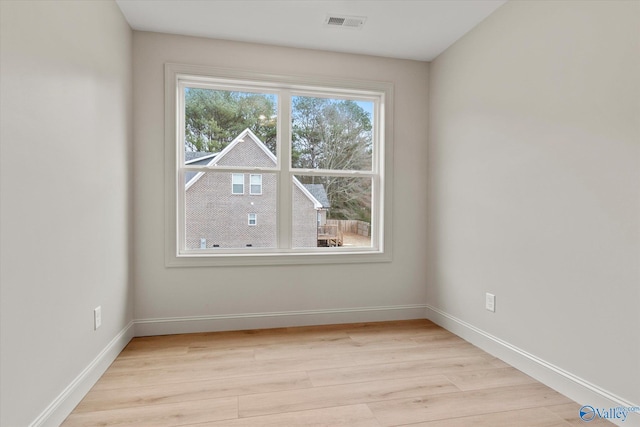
[{"x": 280, "y": 258}]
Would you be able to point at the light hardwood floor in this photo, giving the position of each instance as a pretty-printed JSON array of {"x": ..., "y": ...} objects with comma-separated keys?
[{"x": 411, "y": 373}]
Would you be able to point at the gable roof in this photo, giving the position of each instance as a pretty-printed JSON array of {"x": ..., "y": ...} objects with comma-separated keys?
[
  {"x": 194, "y": 157},
  {"x": 241, "y": 138},
  {"x": 197, "y": 158},
  {"x": 214, "y": 158},
  {"x": 319, "y": 193}
]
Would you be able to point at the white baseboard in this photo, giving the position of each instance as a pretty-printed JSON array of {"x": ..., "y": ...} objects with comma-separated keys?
[
  {"x": 62, "y": 405},
  {"x": 572, "y": 386},
  {"x": 191, "y": 324},
  {"x": 67, "y": 400}
]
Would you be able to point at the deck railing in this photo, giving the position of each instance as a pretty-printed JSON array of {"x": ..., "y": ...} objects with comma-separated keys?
[
  {"x": 351, "y": 226},
  {"x": 329, "y": 235}
]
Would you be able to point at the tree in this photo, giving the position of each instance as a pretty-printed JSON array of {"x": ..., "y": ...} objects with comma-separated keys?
[
  {"x": 213, "y": 118},
  {"x": 327, "y": 134},
  {"x": 337, "y": 135}
]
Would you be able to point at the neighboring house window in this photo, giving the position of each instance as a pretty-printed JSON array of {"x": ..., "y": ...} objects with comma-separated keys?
[
  {"x": 255, "y": 186},
  {"x": 317, "y": 152},
  {"x": 237, "y": 183}
]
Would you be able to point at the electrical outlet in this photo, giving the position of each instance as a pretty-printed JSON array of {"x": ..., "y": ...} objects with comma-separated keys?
[
  {"x": 490, "y": 302},
  {"x": 97, "y": 317}
]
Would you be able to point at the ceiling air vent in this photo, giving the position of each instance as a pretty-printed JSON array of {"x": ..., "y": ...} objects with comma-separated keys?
[{"x": 345, "y": 21}]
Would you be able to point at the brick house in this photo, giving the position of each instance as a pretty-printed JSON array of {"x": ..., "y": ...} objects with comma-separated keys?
[{"x": 236, "y": 210}]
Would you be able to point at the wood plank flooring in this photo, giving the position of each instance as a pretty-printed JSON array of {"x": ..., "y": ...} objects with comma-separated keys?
[{"x": 405, "y": 373}]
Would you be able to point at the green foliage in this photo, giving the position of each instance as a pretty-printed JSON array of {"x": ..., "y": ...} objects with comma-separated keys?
[
  {"x": 327, "y": 134},
  {"x": 330, "y": 134},
  {"x": 337, "y": 135},
  {"x": 350, "y": 198},
  {"x": 215, "y": 117}
]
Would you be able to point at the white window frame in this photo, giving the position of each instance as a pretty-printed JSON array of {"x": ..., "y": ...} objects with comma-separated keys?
[
  {"x": 233, "y": 176},
  {"x": 178, "y": 76},
  {"x": 251, "y": 184},
  {"x": 252, "y": 217}
]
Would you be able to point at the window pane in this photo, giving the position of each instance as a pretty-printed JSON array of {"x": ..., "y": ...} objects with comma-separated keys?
[
  {"x": 256, "y": 184},
  {"x": 237, "y": 183},
  {"x": 331, "y": 133},
  {"x": 213, "y": 119},
  {"x": 331, "y": 211},
  {"x": 215, "y": 218}
]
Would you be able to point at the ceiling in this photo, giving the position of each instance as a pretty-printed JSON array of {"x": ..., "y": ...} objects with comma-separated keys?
[{"x": 408, "y": 29}]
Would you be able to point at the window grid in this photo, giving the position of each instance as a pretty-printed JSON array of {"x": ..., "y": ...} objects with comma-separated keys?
[
  {"x": 255, "y": 184},
  {"x": 374, "y": 92},
  {"x": 286, "y": 169},
  {"x": 237, "y": 183}
]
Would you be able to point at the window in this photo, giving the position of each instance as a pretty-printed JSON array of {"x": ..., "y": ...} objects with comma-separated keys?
[
  {"x": 318, "y": 153},
  {"x": 255, "y": 186},
  {"x": 237, "y": 183}
]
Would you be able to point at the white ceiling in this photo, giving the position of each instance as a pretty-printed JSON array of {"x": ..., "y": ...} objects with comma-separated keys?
[{"x": 409, "y": 29}]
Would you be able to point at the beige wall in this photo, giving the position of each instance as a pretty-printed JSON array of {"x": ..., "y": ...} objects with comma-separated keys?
[
  {"x": 534, "y": 174},
  {"x": 169, "y": 293},
  {"x": 530, "y": 190},
  {"x": 65, "y": 199}
]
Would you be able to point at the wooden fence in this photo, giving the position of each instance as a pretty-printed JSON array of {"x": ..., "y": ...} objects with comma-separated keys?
[{"x": 351, "y": 226}]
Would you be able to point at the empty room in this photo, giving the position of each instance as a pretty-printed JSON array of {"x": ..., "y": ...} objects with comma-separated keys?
[{"x": 320, "y": 213}]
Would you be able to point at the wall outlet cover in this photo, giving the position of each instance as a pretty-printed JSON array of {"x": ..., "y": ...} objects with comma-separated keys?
[
  {"x": 490, "y": 302},
  {"x": 97, "y": 317}
]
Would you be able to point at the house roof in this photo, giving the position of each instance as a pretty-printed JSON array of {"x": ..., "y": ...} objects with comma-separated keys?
[
  {"x": 318, "y": 191},
  {"x": 191, "y": 157},
  {"x": 196, "y": 158},
  {"x": 211, "y": 159}
]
